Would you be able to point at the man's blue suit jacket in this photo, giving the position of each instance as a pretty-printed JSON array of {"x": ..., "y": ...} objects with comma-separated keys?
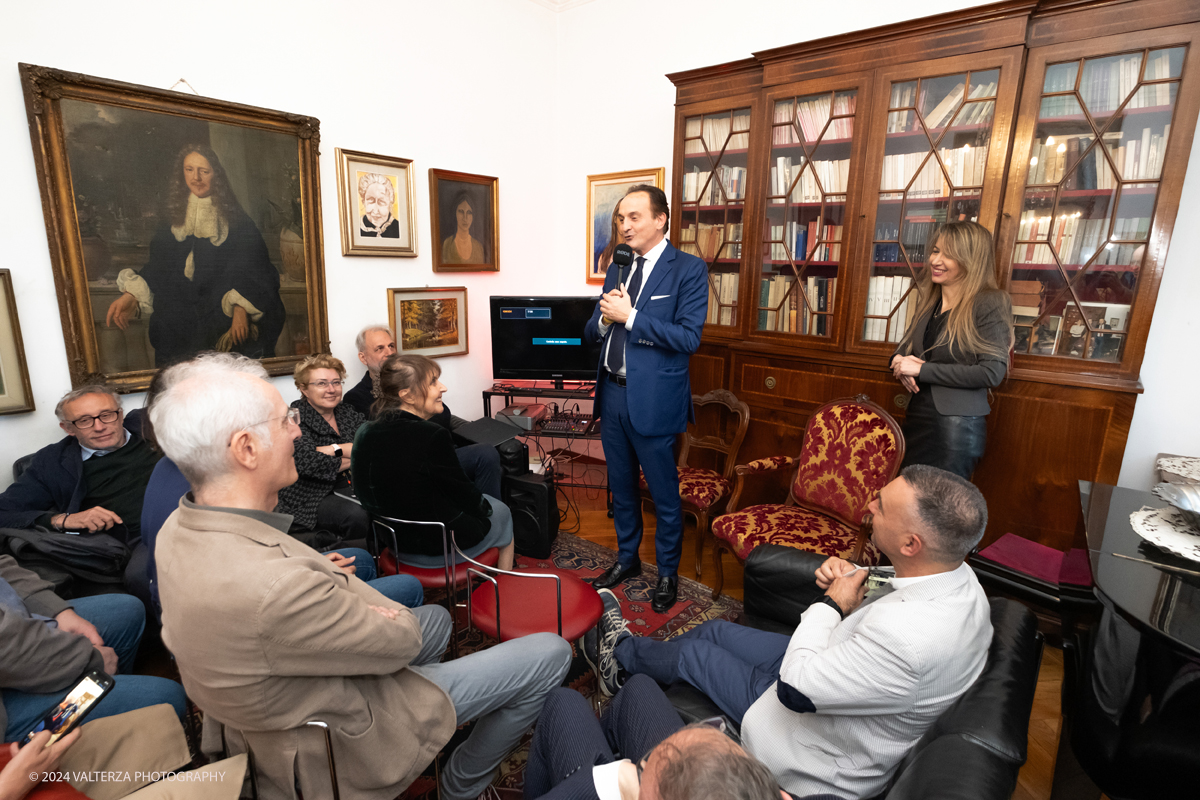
[{"x": 672, "y": 307}]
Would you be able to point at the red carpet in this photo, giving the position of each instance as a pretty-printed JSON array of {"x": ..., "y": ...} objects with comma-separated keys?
[{"x": 585, "y": 559}]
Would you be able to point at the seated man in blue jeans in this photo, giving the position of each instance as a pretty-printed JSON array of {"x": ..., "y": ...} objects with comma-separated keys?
[{"x": 48, "y": 644}]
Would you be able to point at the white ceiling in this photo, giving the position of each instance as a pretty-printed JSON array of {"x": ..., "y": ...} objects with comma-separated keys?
[{"x": 560, "y": 5}]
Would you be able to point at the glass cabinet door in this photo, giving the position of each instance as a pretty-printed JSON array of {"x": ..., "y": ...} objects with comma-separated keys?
[
  {"x": 805, "y": 235},
  {"x": 715, "y": 151},
  {"x": 1091, "y": 185},
  {"x": 944, "y": 133}
]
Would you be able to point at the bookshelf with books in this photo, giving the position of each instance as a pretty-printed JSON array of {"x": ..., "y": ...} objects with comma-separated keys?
[
  {"x": 712, "y": 202},
  {"x": 1092, "y": 168},
  {"x": 944, "y": 134},
  {"x": 1063, "y": 126},
  {"x": 808, "y": 198}
]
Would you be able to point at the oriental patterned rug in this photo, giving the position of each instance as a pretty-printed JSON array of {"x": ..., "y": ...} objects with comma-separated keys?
[{"x": 585, "y": 559}]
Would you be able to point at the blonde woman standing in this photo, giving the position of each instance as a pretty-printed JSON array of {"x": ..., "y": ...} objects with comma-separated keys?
[{"x": 955, "y": 352}]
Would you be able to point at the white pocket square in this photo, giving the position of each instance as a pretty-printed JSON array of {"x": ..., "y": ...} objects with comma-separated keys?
[{"x": 659, "y": 296}]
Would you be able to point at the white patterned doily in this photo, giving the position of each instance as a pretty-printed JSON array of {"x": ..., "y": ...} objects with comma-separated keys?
[
  {"x": 1181, "y": 465},
  {"x": 1166, "y": 528}
]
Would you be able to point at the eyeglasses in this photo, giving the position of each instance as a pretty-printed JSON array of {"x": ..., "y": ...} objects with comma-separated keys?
[
  {"x": 325, "y": 384},
  {"x": 85, "y": 422},
  {"x": 293, "y": 416}
]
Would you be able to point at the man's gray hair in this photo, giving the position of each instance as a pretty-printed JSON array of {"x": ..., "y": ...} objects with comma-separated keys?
[
  {"x": 204, "y": 403},
  {"x": 360, "y": 341},
  {"x": 83, "y": 391},
  {"x": 951, "y": 508}
]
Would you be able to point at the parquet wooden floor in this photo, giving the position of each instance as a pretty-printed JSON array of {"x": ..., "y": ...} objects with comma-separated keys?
[{"x": 1036, "y": 777}]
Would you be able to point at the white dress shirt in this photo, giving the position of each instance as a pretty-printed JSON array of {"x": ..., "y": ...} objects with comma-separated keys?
[{"x": 651, "y": 257}]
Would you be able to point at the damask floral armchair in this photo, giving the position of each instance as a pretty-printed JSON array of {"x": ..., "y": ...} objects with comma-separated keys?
[
  {"x": 704, "y": 491},
  {"x": 851, "y": 449}
]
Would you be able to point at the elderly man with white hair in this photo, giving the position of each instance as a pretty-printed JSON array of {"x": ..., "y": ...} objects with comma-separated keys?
[{"x": 268, "y": 634}]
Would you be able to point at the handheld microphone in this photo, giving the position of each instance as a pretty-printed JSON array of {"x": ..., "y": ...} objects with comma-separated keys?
[{"x": 622, "y": 257}]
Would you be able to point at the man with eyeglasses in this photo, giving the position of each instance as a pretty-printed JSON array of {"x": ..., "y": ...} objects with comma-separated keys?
[{"x": 92, "y": 481}]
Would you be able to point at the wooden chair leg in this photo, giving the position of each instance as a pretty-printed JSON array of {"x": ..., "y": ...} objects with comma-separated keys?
[
  {"x": 720, "y": 582},
  {"x": 701, "y": 534}
]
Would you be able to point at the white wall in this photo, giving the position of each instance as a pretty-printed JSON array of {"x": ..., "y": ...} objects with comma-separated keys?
[
  {"x": 467, "y": 86},
  {"x": 539, "y": 99}
]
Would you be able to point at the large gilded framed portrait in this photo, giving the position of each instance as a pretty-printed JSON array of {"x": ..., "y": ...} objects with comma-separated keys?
[
  {"x": 176, "y": 224},
  {"x": 604, "y": 192},
  {"x": 465, "y": 211},
  {"x": 375, "y": 205}
]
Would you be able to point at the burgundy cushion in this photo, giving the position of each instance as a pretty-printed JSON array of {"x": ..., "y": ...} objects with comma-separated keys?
[
  {"x": 530, "y": 605},
  {"x": 790, "y": 526},
  {"x": 1076, "y": 568},
  {"x": 1021, "y": 554},
  {"x": 433, "y": 577},
  {"x": 702, "y": 488}
]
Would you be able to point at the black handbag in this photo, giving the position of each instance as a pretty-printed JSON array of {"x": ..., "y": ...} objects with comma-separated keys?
[{"x": 95, "y": 557}]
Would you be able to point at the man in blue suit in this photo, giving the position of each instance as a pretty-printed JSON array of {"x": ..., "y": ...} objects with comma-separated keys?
[{"x": 649, "y": 327}]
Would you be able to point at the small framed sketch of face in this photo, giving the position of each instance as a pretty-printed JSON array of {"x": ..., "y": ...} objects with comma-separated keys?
[
  {"x": 375, "y": 205},
  {"x": 465, "y": 212},
  {"x": 431, "y": 321}
]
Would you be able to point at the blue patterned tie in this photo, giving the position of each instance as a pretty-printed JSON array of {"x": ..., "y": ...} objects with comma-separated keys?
[{"x": 616, "y": 343}]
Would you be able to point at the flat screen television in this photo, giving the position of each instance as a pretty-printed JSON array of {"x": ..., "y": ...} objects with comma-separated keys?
[{"x": 541, "y": 338}]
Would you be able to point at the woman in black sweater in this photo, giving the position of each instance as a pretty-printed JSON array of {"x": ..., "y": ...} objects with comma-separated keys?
[
  {"x": 955, "y": 352},
  {"x": 405, "y": 466}
]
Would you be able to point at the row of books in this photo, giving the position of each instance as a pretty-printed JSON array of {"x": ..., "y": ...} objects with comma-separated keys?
[
  {"x": 898, "y": 169},
  {"x": 833, "y": 177},
  {"x": 801, "y": 237},
  {"x": 783, "y": 309},
  {"x": 977, "y": 113},
  {"x": 965, "y": 164},
  {"x": 1105, "y": 83},
  {"x": 1138, "y": 159},
  {"x": 714, "y": 130},
  {"x": 1076, "y": 239},
  {"x": 697, "y": 186},
  {"x": 812, "y": 114},
  {"x": 885, "y": 293},
  {"x": 722, "y": 297},
  {"x": 705, "y": 240}
]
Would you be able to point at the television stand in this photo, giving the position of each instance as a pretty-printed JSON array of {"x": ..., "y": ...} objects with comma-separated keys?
[{"x": 582, "y": 390}]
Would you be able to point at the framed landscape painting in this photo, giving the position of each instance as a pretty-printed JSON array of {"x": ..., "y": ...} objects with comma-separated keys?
[
  {"x": 431, "y": 321},
  {"x": 176, "y": 224},
  {"x": 375, "y": 205},
  {"x": 603, "y": 194}
]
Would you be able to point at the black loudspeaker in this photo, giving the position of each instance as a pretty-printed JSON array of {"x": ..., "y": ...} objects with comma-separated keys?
[
  {"x": 514, "y": 457},
  {"x": 534, "y": 506}
]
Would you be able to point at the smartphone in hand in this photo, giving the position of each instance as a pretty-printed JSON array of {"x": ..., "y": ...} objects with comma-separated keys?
[{"x": 67, "y": 715}]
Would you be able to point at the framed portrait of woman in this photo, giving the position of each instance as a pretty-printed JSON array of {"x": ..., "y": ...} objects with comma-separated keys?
[
  {"x": 465, "y": 211},
  {"x": 375, "y": 205},
  {"x": 176, "y": 224},
  {"x": 604, "y": 192}
]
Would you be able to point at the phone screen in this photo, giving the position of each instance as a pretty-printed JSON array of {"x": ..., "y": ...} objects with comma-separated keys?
[{"x": 62, "y": 718}]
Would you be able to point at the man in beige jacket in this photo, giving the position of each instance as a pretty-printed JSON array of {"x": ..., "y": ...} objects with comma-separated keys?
[{"x": 269, "y": 634}]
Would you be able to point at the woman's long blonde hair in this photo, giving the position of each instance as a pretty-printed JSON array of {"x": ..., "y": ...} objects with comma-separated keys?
[{"x": 970, "y": 244}]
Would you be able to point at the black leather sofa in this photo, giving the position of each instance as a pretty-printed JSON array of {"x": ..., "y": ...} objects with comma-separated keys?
[{"x": 974, "y": 750}]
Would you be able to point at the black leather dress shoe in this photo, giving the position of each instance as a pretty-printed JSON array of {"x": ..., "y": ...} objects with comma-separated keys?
[
  {"x": 614, "y": 575},
  {"x": 664, "y": 594}
]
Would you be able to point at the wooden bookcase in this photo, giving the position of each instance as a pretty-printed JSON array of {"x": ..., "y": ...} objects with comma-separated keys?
[{"x": 809, "y": 178}]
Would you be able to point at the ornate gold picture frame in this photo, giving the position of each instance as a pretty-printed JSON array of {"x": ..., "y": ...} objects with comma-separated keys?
[
  {"x": 176, "y": 224},
  {"x": 464, "y": 210},
  {"x": 603, "y": 194},
  {"x": 376, "y": 204},
  {"x": 16, "y": 396}
]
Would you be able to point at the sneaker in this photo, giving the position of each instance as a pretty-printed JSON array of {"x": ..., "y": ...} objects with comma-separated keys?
[
  {"x": 589, "y": 648},
  {"x": 611, "y": 629}
]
